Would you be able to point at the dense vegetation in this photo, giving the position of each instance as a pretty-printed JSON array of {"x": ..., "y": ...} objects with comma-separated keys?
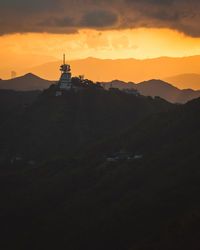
[
  {"x": 72, "y": 198},
  {"x": 14, "y": 102},
  {"x": 54, "y": 126}
]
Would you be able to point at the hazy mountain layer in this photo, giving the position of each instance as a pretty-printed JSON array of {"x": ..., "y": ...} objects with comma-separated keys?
[
  {"x": 157, "y": 88},
  {"x": 124, "y": 69},
  {"x": 185, "y": 81},
  {"x": 149, "y": 88},
  {"x": 25, "y": 83}
]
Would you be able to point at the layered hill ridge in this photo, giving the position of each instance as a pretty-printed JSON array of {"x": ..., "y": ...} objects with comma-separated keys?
[
  {"x": 152, "y": 87},
  {"x": 185, "y": 81},
  {"x": 167, "y": 91},
  {"x": 26, "y": 82},
  {"x": 124, "y": 69},
  {"x": 159, "y": 88}
]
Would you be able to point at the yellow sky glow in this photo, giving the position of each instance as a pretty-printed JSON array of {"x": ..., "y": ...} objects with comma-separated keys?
[{"x": 21, "y": 51}]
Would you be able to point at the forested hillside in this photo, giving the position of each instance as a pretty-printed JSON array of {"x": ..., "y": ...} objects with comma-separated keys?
[{"x": 74, "y": 198}]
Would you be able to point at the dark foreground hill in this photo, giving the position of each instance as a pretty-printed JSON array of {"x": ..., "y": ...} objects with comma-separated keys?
[
  {"x": 163, "y": 187},
  {"x": 27, "y": 82},
  {"x": 158, "y": 88},
  {"x": 61, "y": 125},
  {"x": 82, "y": 201},
  {"x": 15, "y": 102}
]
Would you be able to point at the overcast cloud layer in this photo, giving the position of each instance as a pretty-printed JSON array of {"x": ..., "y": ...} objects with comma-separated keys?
[{"x": 67, "y": 16}]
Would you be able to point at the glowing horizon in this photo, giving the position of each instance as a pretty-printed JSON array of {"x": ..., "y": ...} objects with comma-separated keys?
[{"x": 27, "y": 50}]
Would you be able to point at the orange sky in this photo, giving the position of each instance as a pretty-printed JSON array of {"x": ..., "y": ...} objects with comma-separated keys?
[{"x": 21, "y": 51}]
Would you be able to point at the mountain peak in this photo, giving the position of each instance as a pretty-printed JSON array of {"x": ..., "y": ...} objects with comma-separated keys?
[
  {"x": 30, "y": 75},
  {"x": 26, "y": 82},
  {"x": 157, "y": 82}
]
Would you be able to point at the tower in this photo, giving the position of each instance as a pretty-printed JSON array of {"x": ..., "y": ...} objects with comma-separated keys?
[{"x": 65, "y": 81}]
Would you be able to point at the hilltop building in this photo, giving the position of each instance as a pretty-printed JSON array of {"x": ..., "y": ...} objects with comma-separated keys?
[{"x": 65, "y": 81}]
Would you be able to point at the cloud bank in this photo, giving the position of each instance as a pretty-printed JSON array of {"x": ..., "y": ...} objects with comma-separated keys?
[{"x": 68, "y": 16}]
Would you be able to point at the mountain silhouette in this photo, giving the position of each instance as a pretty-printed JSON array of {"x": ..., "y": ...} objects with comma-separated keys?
[
  {"x": 157, "y": 88},
  {"x": 118, "y": 85},
  {"x": 151, "y": 88},
  {"x": 25, "y": 83},
  {"x": 128, "y": 70},
  {"x": 167, "y": 91},
  {"x": 185, "y": 81}
]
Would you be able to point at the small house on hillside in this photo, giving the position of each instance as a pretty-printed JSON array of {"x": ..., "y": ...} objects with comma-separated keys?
[
  {"x": 123, "y": 156},
  {"x": 131, "y": 91},
  {"x": 120, "y": 156}
]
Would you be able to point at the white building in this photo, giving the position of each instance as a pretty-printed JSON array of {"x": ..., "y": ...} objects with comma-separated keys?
[{"x": 65, "y": 81}]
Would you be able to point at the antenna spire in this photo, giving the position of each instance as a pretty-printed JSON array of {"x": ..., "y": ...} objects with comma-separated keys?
[{"x": 63, "y": 58}]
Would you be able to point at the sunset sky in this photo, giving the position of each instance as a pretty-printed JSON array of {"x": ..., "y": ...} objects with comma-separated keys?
[{"x": 39, "y": 31}]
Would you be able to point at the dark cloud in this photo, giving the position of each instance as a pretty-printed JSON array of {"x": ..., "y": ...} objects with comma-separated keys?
[
  {"x": 57, "y": 22},
  {"x": 99, "y": 19},
  {"x": 66, "y": 16}
]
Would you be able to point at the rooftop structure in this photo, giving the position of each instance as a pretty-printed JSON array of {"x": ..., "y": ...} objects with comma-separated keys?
[{"x": 65, "y": 81}]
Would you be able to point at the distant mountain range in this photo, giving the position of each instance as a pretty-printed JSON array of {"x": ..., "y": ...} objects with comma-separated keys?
[
  {"x": 126, "y": 69},
  {"x": 25, "y": 83},
  {"x": 151, "y": 88},
  {"x": 185, "y": 81},
  {"x": 157, "y": 88}
]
